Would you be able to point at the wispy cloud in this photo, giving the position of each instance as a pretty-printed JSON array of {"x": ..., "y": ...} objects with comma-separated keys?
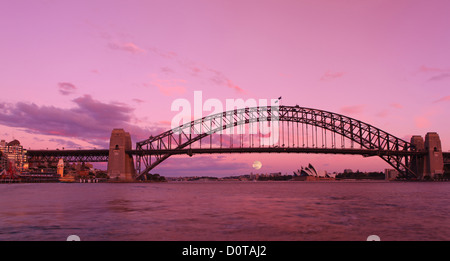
[
  {"x": 128, "y": 47},
  {"x": 167, "y": 70},
  {"x": 425, "y": 119},
  {"x": 440, "y": 77},
  {"x": 136, "y": 100},
  {"x": 66, "y": 88},
  {"x": 383, "y": 113},
  {"x": 422, "y": 122},
  {"x": 184, "y": 66},
  {"x": 443, "y": 99},
  {"x": 121, "y": 41},
  {"x": 162, "y": 53},
  {"x": 220, "y": 79},
  {"x": 439, "y": 73},
  {"x": 196, "y": 70},
  {"x": 168, "y": 87},
  {"x": 165, "y": 123},
  {"x": 386, "y": 112},
  {"x": 352, "y": 109},
  {"x": 65, "y": 143},
  {"x": 397, "y": 105},
  {"x": 233, "y": 86},
  {"x": 328, "y": 76},
  {"x": 428, "y": 69}
]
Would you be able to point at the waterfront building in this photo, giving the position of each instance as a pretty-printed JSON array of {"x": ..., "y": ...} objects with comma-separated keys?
[
  {"x": 60, "y": 168},
  {"x": 3, "y": 161},
  {"x": 14, "y": 153}
]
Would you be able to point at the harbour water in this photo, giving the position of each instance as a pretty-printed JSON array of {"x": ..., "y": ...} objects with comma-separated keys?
[{"x": 229, "y": 211}]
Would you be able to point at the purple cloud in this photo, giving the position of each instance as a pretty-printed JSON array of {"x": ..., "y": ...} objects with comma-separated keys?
[
  {"x": 68, "y": 144},
  {"x": 136, "y": 100},
  {"x": 66, "y": 88},
  {"x": 90, "y": 120},
  {"x": 167, "y": 70},
  {"x": 102, "y": 112},
  {"x": 440, "y": 77},
  {"x": 440, "y": 73},
  {"x": 128, "y": 47}
]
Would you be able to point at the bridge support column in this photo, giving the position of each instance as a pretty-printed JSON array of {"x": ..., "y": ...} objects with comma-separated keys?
[
  {"x": 417, "y": 164},
  {"x": 431, "y": 166},
  {"x": 434, "y": 160},
  {"x": 120, "y": 164}
]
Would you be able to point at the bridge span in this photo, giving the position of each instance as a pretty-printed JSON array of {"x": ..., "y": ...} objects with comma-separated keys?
[
  {"x": 264, "y": 129},
  {"x": 102, "y": 155}
]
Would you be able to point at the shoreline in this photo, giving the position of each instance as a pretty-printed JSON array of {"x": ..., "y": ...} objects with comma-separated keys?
[{"x": 7, "y": 181}]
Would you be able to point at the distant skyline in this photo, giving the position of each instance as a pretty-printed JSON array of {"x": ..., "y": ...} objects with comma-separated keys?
[{"x": 71, "y": 71}]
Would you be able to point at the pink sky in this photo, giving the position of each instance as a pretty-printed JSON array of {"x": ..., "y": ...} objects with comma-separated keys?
[{"x": 71, "y": 71}]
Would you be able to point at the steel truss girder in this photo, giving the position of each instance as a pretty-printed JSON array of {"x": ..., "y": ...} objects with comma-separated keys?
[
  {"x": 68, "y": 155},
  {"x": 367, "y": 136},
  {"x": 446, "y": 156}
]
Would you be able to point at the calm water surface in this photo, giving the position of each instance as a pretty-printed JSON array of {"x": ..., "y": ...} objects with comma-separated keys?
[{"x": 226, "y": 211}]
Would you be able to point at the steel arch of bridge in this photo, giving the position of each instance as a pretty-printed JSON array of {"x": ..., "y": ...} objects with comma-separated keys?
[{"x": 395, "y": 151}]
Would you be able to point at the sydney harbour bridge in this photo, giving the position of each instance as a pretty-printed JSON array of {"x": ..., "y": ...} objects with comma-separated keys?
[{"x": 263, "y": 129}]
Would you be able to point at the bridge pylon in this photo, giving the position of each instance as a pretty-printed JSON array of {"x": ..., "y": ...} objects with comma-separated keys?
[
  {"x": 434, "y": 160},
  {"x": 430, "y": 166},
  {"x": 120, "y": 164},
  {"x": 417, "y": 163}
]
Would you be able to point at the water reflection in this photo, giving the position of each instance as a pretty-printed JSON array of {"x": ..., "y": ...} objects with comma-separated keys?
[{"x": 226, "y": 211}]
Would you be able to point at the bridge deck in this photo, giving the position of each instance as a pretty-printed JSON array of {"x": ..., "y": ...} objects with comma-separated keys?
[
  {"x": 349, "y": 151},
  {"x": 68, "y": 155},
  {"x": 101, "y": 155}
]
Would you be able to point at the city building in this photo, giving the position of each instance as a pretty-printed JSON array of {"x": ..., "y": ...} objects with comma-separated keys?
[
  {"x": 14, "y": 153},
  {"x": 60, "y": 168},
  {"x": 3, "y": 161}
]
